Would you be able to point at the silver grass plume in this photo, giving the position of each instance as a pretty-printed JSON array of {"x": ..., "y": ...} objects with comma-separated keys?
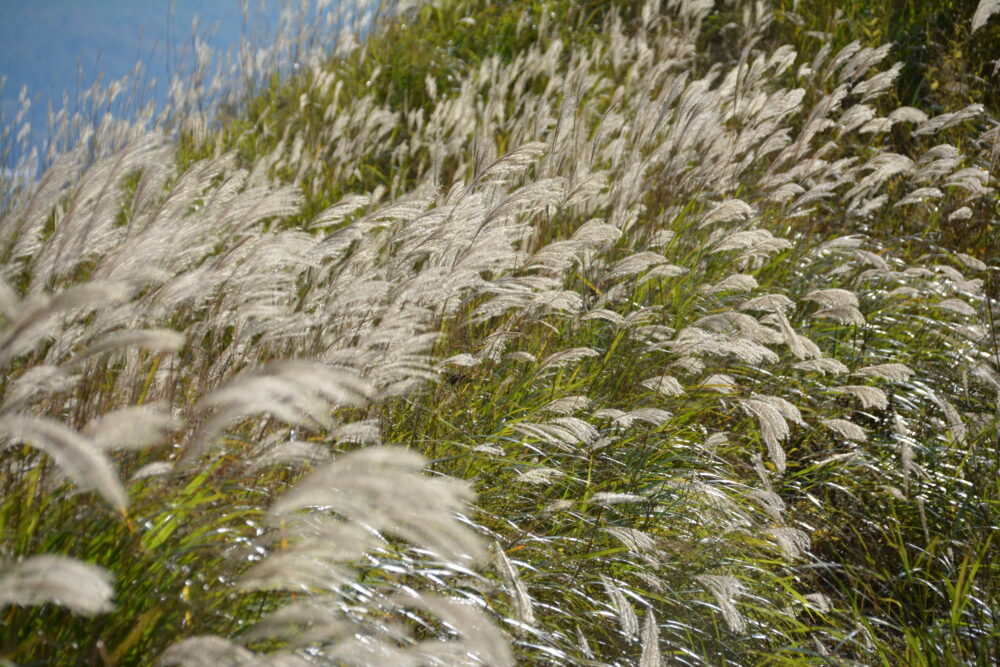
[
  {"x": 83, "y": 588},
  {"x": 694, "y": 341},
  {"x": 772, "y": 303},
  {"x": 36, "y": 381},
  {"x": 653, "y": 416},
  {"x": 726, "y": 588},
  {"x": 822, "y": 366},
  {"x": 330, "y": 520},
  {"x": 833, "y": 297},
  {"x": 76, "y": 455},
  {"x": 945, "y": 120},
  {"x": 633, "y": 265},
  {"x": 314, "y": 627},
  {"x": 565, "y": 433},
  {"x": 716, "y": 440},
  {"x": 638, "y": 542},
  {"x": 731, "y": 210},
  {"x": 737, "y": 282},
  {"x": 650, "y": 642},
  {"x": 159, "y": 340},
  {"x": 956, "y": 306},
  {"x": 564, "y": 358},
  {"x": 32, "y": 323},
  {"x": 667, "y": 385},
  {"x": 772, "y": 413},
  {"x": 523, "y": 606},
  {"x": 753, "y": 243},
  {"x": 212, "y": 651},
  {"x": 802, "y": 347},
  {"x": 136, "y": 427},
  {"x": 298, "y": 392},
  {"x": 608, "y": 498},
  {"x": 845, "y": 429},
  {"x": 479, "y": 643},
  {"x": 870, "y": 397},
  {"x": 794, "y": 543},
  {"x": 894, "y": 372},
  {"x": 583, "y": 645},
  {"x": 380, "y": 490},
  {"x": 627, "y": 619},
  {"x": 907, "y": 115},
  {"x": 838, "y": 304},
  {"x": 539, "y": 476},
  {"x": 567, "y": 405},
  {"x": 953, "y": 419},
  {"x": 984, "y": 11}
]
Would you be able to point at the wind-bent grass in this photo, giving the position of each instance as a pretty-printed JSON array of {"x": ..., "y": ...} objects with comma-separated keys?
[{"x": 521, "y": 333}]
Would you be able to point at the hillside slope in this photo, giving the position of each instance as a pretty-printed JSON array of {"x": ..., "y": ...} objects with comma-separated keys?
[{"x": 569, "y": 333}]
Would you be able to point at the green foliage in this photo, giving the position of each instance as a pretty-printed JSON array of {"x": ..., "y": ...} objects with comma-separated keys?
[{"x": 944, "y": 67}]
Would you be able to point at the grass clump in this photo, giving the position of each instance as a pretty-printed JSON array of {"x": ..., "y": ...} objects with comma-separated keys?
[{"x": 525, "y": 332}]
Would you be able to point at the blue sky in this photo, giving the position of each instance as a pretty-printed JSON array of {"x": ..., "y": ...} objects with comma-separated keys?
[{"x": 43, "y": 42}]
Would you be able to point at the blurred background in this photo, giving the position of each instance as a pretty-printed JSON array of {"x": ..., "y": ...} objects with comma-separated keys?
[{"x": 52, "y": 46}]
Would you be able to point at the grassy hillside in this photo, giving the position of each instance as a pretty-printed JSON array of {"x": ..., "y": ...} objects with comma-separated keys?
[{"x": 579, "y": 333}]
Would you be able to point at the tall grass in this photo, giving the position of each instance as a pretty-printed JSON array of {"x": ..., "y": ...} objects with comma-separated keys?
[{"x": 522, "y": 333}]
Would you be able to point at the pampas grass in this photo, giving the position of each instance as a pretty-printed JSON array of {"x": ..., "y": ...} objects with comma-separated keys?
[{"x": 535, "y": 277}]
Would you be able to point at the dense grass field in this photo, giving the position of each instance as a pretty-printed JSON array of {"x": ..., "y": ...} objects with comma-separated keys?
[{"x": 534, "y": 332}]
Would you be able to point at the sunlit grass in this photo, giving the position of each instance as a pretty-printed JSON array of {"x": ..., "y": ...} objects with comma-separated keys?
[{"x": 677, "y": 368}]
